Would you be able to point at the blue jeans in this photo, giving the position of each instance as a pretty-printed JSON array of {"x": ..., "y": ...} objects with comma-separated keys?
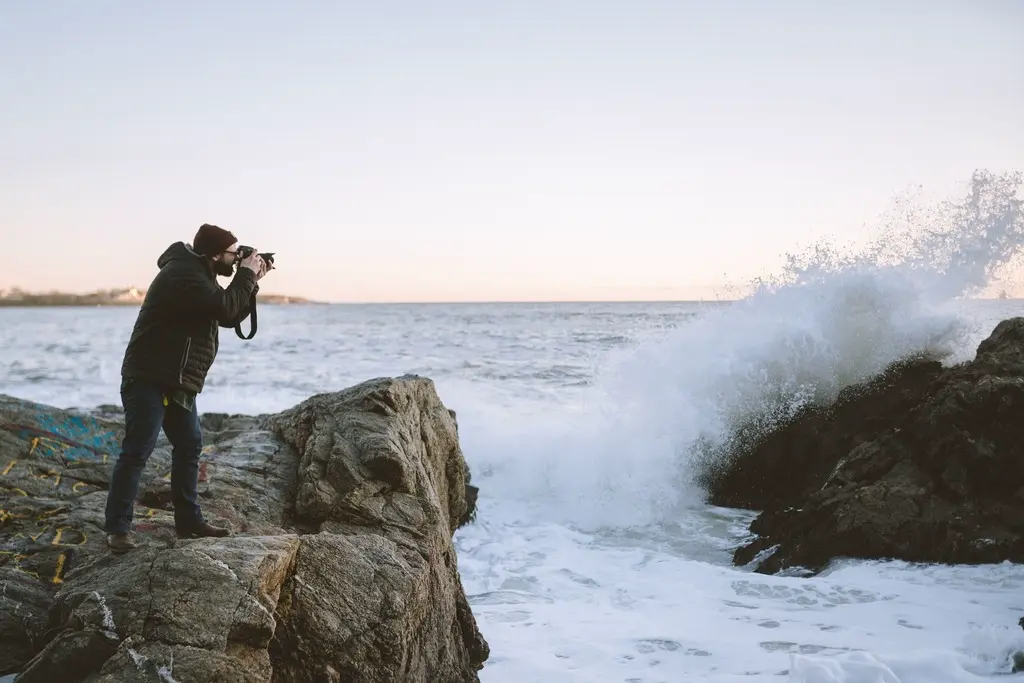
[{"x": 145, "y": 414}]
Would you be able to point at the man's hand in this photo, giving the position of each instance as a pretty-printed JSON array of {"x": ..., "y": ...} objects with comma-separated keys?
[{"x": 255, "y": 263}]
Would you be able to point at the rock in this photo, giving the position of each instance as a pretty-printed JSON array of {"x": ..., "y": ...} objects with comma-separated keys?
[
  {"x": 24, "y": 605},
  {"x": 763, "y": 471},
  {"x": 923, "y": 464},
  {"x": 341, "y": 568},
  {"x": 1017, "y": 657},
  {"x": 1017, "y": 660},
  {"x": 70, "y": 654}
]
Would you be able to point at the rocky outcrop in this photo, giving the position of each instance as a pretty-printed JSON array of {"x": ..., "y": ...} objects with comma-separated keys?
[
  {"x": 341, "y": 566},
  {"x": 925, "y": 463}
]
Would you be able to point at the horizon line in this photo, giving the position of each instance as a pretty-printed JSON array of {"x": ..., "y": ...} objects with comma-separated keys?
[
  {"x": 304, "y": 300},
  {"x": 443, "y": 302}
]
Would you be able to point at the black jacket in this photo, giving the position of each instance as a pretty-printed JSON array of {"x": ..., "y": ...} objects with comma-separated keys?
[{"x": 176, "y": 335}]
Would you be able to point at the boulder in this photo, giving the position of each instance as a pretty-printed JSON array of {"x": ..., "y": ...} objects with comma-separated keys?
[
  {"x": 925, "y": 464},
  {"x": 341, "y": 566}
]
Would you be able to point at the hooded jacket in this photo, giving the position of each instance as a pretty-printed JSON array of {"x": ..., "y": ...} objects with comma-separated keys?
[{"x": 176, "y": 335}]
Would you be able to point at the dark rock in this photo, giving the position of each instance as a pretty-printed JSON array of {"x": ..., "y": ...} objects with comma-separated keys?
[
  {"x": 471, "y": 495},
  {"x": 70, "y": 657},
  {"x": 24, "y": 607},
  {"x": 1017, "y": 658},
  {"x": 923, "y": 464},
  {"x": 342, "y": 566},
  {"x": 768, "y": 471}
]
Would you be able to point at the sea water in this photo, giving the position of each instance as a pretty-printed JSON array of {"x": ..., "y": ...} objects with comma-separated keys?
[{"x": 594, "y": 557}]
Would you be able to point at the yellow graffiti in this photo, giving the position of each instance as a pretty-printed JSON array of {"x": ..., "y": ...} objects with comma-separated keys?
[
  {"x": 58, "y": 571},
  {"x": 7, "y": 514},
  {"x": 58, "y": 535},
  {"x": 49, "y": 446},
  {"x": 60, "y": 532},
  {"x": 26, "y": 515},
  {"x": 18, "y": 557},
  {"x": 55, "y": 476},
  {"x": 50, "y": 473},
  {"x": 53, "y": 445}
]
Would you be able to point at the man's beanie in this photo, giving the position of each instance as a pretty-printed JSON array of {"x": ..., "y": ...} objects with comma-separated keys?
[{"x": 211, "y": 240}]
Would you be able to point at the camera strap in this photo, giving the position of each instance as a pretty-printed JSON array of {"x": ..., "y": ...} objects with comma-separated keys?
[{"x": 252, "y": 318}]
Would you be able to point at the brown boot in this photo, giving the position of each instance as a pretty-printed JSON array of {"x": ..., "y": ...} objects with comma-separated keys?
[
  {"x": 120, "y": 543},
  {"x": 203, "y": 530}
]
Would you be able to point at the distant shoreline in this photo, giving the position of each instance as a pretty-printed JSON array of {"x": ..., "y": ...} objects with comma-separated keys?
[
  {"x": 14, "y": 298},
  {"x": 131, "y": 296}
]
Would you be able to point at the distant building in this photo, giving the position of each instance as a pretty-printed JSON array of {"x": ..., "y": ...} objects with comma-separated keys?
[
  {"x": 130, "y": 295},
  {"x": 13, "y": 294}
]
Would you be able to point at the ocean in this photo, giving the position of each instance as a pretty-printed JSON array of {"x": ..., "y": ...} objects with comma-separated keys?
[{"x": 594, "y": 557}]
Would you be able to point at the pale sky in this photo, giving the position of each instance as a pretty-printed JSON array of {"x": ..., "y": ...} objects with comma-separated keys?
[{"x": 409, "y": 151}]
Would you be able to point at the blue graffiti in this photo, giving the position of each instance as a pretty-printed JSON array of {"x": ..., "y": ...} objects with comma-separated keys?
[{"x": 69, "y": 437}]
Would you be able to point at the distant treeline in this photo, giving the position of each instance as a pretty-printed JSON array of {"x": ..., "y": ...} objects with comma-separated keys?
[{"x": 119, "y": 297}]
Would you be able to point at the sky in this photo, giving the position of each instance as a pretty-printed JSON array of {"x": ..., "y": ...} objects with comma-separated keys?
[{"x": 487, "y": 151}]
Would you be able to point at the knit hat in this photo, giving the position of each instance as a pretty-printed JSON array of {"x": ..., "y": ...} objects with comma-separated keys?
[{"x": 211, "y": 240}]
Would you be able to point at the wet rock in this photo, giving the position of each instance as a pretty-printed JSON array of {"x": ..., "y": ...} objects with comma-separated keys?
[
  {"x": 342, "y": 565},
  {"x": 924, "y": 463}
]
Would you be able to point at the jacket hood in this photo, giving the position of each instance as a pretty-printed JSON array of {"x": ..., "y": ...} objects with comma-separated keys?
[{"x": 178, "y": 251}]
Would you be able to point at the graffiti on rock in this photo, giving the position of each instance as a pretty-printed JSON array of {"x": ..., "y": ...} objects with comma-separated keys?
[
  {"x": 61, "y": 482},
  {"x": 69, "y": 438},
  {"x": 41, "y": 549}
]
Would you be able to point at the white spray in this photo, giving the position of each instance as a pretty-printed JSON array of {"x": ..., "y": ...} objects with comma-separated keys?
[{"x": 827, "y": 321}]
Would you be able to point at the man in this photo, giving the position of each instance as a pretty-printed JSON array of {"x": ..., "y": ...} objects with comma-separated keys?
[{"x": 172, "y": 346}]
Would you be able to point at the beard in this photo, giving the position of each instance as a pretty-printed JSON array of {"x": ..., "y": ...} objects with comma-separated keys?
[{"x": 224, "y": 269}]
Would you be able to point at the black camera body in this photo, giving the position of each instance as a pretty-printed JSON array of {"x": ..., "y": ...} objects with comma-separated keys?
[{"x": 244, "y": 252}]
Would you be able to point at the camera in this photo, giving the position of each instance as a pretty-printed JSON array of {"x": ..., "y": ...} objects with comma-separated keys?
[{"x": 244, "y": 252}]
